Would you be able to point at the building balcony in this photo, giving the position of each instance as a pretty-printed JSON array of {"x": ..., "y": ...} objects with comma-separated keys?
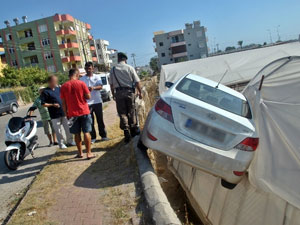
[
  {"x": 178, "y": 44},
  {"x": 94, "y": 59},
  {"x": 88, "y": 26},
  {"x": 92, "y": 48},
  {"x": 65, "y": 32},
  {"x": 74, "y": 58},
  {"x": 69, "y": 45},
  {"x": 63, "y": 17},
  {"x": 181, "y": 54}
]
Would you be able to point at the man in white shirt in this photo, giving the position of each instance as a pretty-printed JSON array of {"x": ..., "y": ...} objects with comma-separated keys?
[{"x": 94, "y": 83}]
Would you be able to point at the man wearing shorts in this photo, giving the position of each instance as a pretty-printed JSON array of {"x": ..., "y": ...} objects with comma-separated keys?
[
  {"x": 74, "y": 94},
  {"x": 45, "y": 117}
]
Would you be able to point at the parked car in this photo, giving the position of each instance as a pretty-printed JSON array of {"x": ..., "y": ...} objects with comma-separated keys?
[
  {"x": 105, "y": 91},
  {"x": 204, "y": 124},
  {"x": 8, "y": 102}
]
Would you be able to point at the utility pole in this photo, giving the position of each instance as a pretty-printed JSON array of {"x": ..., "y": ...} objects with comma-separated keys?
[
  {"x": 217, "y": 47},
  {"x": 278, "y": 35},
  {"x": 271, "y": 40},
  {"x": 133, "y": 57}
]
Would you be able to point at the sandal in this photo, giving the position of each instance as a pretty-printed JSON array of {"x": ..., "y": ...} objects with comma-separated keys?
[
  {"x": 88, "y": 158},
  {"x": 78, "y": 156}
]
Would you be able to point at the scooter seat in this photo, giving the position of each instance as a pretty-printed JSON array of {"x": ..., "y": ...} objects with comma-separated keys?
[{"x": 15, "y": 124}]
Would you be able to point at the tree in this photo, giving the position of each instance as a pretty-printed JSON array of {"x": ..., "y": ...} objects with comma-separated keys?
[
  {"x": 154, "y": 64},
  {"x": 101, "y": 67},
  {"x": 240, "y": 43},
  {"x": 229, "y": 48}
]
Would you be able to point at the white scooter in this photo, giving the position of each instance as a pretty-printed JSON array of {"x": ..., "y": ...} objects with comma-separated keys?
[{"x": 20, "y": 139}]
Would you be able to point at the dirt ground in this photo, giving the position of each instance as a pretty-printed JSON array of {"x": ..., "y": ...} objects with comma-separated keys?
[{"x": 105, "y": 190}]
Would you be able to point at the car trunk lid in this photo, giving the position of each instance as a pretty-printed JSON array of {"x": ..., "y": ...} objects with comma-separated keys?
[{"x": 208, "y": 124}]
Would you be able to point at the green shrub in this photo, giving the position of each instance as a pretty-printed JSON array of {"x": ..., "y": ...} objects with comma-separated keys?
[{"x": 25, "y": 77}]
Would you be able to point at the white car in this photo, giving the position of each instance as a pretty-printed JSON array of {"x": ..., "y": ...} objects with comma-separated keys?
[
  {"x": 106, "y": 93},
  {"x": 205, "y": 125}
]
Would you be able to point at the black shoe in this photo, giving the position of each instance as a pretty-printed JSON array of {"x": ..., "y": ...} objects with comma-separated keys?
[
  {"x": 127, "y": 136},
  {"x": 55, "y": 143},
  {"x": 135, "y": 131}
]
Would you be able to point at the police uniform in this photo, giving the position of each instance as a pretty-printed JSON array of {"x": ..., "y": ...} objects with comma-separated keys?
[{"x": 123, "y": 78}]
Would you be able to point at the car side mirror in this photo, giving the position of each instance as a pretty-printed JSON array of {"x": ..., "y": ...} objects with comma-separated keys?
[{"x": 169, "y": 84}]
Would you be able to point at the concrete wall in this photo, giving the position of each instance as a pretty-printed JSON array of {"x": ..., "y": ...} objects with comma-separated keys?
[{"x": 244, "y": 205}]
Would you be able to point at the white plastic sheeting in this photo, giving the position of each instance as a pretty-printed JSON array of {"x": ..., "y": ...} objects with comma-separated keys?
[
  {"x": 241, "y": 66},
  {"x": 276, "y": 109},
  {"x": 244, "y": 205}
]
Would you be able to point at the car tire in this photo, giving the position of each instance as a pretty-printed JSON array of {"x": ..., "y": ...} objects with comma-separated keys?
[
  {"x": 227, "y": 184},
  {"x": 141, "y": 146},
  {"x": 14, "y": 108}
]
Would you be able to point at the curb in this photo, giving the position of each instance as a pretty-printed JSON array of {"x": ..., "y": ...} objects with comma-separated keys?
[{"x": 160, "y": 208}]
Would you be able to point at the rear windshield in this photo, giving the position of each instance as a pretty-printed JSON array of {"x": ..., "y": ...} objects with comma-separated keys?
[
  {"x": 104, "y": 81},
  {"x": 215, "y": 97}
]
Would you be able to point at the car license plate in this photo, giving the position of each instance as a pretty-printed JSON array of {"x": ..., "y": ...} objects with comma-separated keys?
[{"x": 205, "y": 130}]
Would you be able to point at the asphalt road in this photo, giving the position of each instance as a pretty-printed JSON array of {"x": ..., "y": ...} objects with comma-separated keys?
[{"x": 14, "y": 182}]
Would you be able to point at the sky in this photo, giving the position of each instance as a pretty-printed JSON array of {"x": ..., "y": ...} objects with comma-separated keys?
[{"x": 129, "y": 25}]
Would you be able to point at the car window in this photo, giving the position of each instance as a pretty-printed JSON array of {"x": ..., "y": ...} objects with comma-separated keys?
[
  {"x": 215, "y": 97},
  {"x": 5, "y": 97},
  {"x": 104, "y": 81}
]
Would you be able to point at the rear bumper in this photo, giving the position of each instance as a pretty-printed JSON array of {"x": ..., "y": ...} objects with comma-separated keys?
[{"x": 214, "y": 161}]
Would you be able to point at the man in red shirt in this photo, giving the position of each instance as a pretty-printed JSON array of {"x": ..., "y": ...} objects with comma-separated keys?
[{"x": 74, "y": 94}]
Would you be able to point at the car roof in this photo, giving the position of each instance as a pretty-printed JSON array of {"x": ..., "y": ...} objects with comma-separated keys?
[{"x": 214, "y": 84}]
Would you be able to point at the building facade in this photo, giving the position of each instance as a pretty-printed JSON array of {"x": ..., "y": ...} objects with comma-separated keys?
[
  {"x": 181, "y": 45},
  {"x": 102, "y": 52},
  {"x": 113, "y": 56},
  {"x": 55, "y": 43}
]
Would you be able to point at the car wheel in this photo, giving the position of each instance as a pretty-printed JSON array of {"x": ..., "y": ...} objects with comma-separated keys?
[
  {"x": 14, "y": 108},
  {"x": 141, "y": 146},
  {"x": 227, "y": 185}
]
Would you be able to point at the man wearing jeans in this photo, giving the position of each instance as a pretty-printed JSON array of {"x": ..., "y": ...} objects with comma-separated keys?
[
  {"x": 74, "y": 95},
  {"x": 94, "y": 85},
  {"x": 50, "y": 98}
]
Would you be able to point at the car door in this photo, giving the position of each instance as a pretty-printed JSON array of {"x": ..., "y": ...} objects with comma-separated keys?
[
  {"x": 2, "y": 107},
  {"x": 6, "y": 103}
]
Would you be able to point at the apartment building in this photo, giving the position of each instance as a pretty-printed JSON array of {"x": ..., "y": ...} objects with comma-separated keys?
[
  {"x": 55, "y": 43},
  {"x": 181, "y": 45},
  {"x": 2, "y": 59},
  {"x": 102, "y": 52},
  {"x": 113, "y": 56}
]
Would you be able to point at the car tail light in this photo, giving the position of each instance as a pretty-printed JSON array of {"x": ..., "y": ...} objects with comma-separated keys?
[
  {"x": 249, "y": 144},
  {"x": 238, "y": 173},
  {"x": 164, "y": 110},
  {"x": 151, "y": 137}
]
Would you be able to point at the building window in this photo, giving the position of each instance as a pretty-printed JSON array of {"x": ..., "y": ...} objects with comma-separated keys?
[
  {"x": 48, "y": 55},
  {"x": 43, "y": 28},
  {"x": 163, "y": 54},
  {"x": 14, "y": 62},
  {"x": 45, "y": 41},
  {"x": 8, "y": 37},
  {"x": 189, "y": 33},
  {"x": 83, "y": 29},
  {"x": 191, "y": 55},
  {"x": 51, "y": 68},
  {"x": 98, "y": 46},
  {"x": 77, "y": 27},
  {"x": 11, "y": 50},
  {"x": 28, "y": 33},
  {"x": 34, "y": 60},
  {"x": 189, "y": 44},
  {"x": 161, "y": 44},
  {"x": 171, "y": 59}
]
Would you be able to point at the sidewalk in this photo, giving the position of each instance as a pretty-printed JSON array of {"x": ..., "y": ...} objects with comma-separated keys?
[{"x": 105, "y": 190}]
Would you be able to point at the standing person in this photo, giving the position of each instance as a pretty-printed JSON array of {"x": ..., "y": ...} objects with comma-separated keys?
[
  {"x": 123, "y": 81},
  {"x": 94, "y": 84},
  {"x": 74, "y": 95},
  {"x": 45, "y": 116},
  {"x": 50, "y": 99}
]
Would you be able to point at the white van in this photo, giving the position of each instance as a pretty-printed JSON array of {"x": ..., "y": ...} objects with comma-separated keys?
[{"x": 106, "y": 93}]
